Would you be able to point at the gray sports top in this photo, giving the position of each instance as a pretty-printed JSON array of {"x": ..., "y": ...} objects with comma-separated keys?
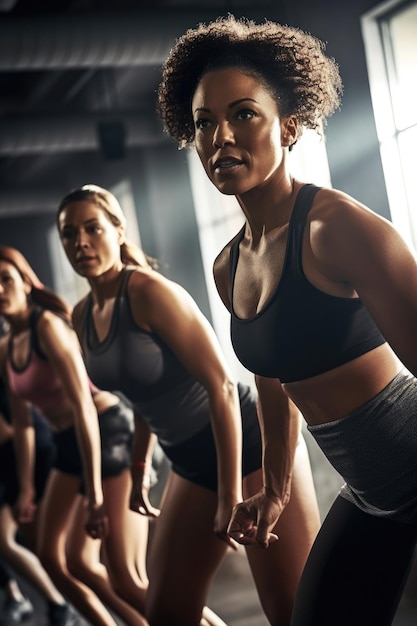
[
  {"x": 141, "y": 366},
  {"x": 375, "y": 450}
]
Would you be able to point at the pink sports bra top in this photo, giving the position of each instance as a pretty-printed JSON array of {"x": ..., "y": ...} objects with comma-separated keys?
[{"x": 37, "y": 382}]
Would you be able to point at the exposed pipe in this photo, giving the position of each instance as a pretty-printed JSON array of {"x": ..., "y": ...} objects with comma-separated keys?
[
  {"x": 91, "y": 40},
  {"x": 29, "y": 202},
  {"x": 72, "y": 133},
  {"x": 68, "y": 41}
]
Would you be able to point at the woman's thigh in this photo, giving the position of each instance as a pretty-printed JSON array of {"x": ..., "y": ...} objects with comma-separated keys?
[
  {"x": 126, "y": 544},
  {"x": 83, "y": 552},
  {"x": 356, "y": 571},
  {"x": 8, "y": 528},
  {"x": 184, "y": 552},
  {"x": 277, "y": 570},
  {"x": 55, "y": 513}
]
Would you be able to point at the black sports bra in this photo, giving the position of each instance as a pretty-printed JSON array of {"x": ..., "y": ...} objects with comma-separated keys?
[{"x": 302, "y": 331}]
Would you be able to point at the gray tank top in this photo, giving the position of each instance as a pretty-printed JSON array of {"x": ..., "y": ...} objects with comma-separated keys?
[{"x": 146, "y": 371}]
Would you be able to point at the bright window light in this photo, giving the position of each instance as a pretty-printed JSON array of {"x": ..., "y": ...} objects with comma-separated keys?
[{"x": 390, "y": 38}]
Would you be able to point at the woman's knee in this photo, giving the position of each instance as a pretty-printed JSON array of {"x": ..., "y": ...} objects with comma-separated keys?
[
  {"x": 52, "y": 566},
  {"x": 124, "y": 578},
  {"x": 50, "y": 560},
  {"x": 78, "y": 567}
]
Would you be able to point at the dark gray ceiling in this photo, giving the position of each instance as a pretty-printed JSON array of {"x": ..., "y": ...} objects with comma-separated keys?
[{"x": 78, "y": 82}]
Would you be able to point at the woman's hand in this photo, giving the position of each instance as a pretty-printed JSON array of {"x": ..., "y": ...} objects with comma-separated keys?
[
  {"x": 253, "y": 520},
  {"x": 25, "y": 507},
  {"x": 97, "y": 525},
  {"x": 139, "y": 497},
  {"x": 221, "y": 523}
]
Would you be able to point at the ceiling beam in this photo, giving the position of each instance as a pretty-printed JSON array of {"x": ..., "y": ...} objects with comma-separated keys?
[
  {"x": 37, "y": 134},
  {"x": 58, "y": 41},
  {"x": 18, "y": 203}
]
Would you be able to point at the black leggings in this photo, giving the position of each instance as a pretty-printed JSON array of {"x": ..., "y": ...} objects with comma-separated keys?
[
  {"x": 356, "y": 571},
  {"x": 5, "y": 574}
]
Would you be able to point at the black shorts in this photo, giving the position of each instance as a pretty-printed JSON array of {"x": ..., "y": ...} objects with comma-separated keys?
[
  {"x": 9, "y": 481},
  {"x": 195, "y": 459},
  {"x": 116, "y": 431}
]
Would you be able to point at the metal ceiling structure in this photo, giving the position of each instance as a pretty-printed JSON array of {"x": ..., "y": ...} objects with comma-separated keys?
[{"x": 77, "y": 73}]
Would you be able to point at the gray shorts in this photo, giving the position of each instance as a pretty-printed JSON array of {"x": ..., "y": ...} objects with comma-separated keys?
[{"x": 374, "y": 449}]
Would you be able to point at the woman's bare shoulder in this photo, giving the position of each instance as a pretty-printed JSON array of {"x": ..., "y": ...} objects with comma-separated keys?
[
  {"x": 333, "y": 205},
  {"x": 143, "y": 279},
  {"x": 345, "y": 234}
]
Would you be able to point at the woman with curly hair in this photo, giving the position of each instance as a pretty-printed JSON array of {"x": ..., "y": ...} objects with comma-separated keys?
[{"x": 322, "y": 294}]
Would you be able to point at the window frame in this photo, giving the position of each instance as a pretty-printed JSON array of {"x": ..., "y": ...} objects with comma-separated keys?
[{"x": 380, "y": 59}]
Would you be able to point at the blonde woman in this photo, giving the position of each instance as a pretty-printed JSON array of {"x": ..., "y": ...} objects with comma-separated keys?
[{"x": 144, "y": 334}]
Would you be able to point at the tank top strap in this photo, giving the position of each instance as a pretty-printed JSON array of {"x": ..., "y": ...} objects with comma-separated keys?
[
  {"x": 89, "y": 337},
  {"x": 302, "y": 206},
  {"x": 127, "y": 271},
  {"x": 234, "y": 254},
  {"x": 303, "y": 202},
  {"x": 87, "y": 308},
  {"x": 34, "y": 340},
  {"x": 86, "y": 320}
]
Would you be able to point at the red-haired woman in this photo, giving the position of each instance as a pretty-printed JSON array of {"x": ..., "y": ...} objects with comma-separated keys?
[{"x": 89, "y": 487}]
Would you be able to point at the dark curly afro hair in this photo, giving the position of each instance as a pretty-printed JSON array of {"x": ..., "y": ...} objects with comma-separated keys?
[{"x": 291, "y": 62}]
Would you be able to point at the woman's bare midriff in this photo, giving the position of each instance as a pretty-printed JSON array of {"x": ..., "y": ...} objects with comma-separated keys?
[
  {"x": 103, "y": 400},
  {"x": 334, "y": 394}
]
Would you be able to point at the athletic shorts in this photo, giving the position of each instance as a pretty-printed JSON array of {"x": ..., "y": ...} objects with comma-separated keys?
[
  {"x": 116, "y": 431},
  {"x": 9, "y": 481},
  {"x": 195, "y": 459},
  {"x": 374, "y": 448}
]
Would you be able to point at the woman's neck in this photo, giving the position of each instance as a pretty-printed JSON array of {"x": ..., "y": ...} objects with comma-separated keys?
[
  {"x": 269, "y": 207},
  {"x": 20, "y": 322},
  {"x": 106, "y": 286}
]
